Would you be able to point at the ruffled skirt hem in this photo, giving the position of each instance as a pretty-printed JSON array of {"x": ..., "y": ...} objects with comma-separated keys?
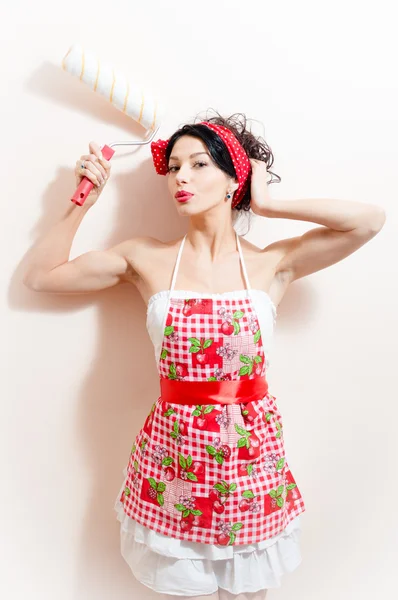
[{"x": 172, "y": 566}]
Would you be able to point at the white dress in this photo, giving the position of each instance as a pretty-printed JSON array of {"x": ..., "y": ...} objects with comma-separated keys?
[{"x": 171, "y": 566}]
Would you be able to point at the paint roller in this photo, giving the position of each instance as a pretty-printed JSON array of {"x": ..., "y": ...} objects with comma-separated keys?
[{"x": 126, "y": 96}]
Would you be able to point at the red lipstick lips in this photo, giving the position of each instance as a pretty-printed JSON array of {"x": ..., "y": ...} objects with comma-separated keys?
[{"x": 183, "y": 196}]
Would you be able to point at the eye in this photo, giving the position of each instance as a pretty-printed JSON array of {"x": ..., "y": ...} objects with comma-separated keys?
[{"x": 202, "y": 164}]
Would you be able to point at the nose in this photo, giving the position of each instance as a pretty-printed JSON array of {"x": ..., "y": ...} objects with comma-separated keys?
[{"x": 182, "y": 174}]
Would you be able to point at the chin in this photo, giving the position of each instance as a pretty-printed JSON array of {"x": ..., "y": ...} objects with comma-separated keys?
[{"x": 191, "y": 208}]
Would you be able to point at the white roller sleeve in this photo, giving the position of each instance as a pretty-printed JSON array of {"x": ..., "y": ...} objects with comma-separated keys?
[{"x": 127, "y": 96}]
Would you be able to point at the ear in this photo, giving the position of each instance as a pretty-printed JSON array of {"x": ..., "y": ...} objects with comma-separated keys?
[{"x": 235, "y": 185}]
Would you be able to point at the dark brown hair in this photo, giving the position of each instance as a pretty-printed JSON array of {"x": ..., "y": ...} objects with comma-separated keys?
[{"x": 255, "y": 147}]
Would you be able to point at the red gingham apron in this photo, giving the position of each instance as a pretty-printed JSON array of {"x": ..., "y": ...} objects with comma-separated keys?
[{"x": 209, "y": 463}]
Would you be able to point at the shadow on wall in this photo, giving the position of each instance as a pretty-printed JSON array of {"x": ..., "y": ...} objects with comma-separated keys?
[{"x": 122, "y": 382}]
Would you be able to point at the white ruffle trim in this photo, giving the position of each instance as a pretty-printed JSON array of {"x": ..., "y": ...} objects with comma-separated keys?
[{"x": 171, "y": 566}]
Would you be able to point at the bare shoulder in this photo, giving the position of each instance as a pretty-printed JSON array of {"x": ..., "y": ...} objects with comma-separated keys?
[
  {"x": 145, "y": 247},
  {"x": 147, "y": 257},
  {"x": 268, "y": 257},
  {"x": 264, "y": 263}
]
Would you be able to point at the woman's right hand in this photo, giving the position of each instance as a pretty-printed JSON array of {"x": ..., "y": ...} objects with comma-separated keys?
[{"x": 96, "y": 168}]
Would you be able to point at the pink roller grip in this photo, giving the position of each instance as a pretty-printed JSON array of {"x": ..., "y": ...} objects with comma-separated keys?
[{"x": 85, "y": 186}]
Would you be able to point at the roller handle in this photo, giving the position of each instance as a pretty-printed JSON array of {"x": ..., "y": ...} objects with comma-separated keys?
[{"x": 85, "y": 186}]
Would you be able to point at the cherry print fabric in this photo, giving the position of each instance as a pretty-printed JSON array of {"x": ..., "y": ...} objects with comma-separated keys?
[
  {"x": 214, "y": 474},
  {"x": 239, "y": 158}
]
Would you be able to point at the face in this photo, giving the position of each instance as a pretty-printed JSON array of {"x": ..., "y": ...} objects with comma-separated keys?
[{"x": 192, "y": 169}]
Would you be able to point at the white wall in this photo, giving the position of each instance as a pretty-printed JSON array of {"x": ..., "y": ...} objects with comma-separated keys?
[{"x": 78, "y": 373}]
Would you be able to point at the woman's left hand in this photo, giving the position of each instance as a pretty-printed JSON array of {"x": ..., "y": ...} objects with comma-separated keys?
[{"x": 260, "y": 198}]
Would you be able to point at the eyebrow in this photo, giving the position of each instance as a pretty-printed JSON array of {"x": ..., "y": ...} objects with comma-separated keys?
[{"x": 191, "y": 155}]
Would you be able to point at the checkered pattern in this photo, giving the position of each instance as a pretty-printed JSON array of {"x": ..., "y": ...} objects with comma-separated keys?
[
  {"x": 204, "y": 321},
  {"x": 211, "y": 474}
]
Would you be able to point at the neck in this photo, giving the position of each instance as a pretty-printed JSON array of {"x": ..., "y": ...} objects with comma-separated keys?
[{"x": 211, "y": 238}]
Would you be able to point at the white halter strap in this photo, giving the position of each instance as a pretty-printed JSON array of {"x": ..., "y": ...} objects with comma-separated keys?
[
  {"x": 177, "y": 264},
  {"x": 242, "y": 262}
]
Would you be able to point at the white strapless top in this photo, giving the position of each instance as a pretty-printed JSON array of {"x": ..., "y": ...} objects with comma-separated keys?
[{"x": 157, "y": 306}]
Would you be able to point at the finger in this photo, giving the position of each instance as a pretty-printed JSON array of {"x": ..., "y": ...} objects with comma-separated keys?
[
  {"x": 92, "y": 159},
  {"x": 91, "y": 172},
  {"x": 98, "y": 163},
  {"x": 96, "y": 150},
  {"x": 92, "y": 168}
]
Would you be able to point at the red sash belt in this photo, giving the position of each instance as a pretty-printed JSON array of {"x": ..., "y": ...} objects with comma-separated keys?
[{"x": 176, "y": 391}]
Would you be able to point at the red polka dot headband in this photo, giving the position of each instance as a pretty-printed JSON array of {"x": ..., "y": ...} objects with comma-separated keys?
[{"x": 239, "y": 158}]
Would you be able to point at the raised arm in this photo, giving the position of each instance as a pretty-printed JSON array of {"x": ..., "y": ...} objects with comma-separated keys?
[
  {"x": 93, "y": 271},
  {"x": 49, "y": 268}
]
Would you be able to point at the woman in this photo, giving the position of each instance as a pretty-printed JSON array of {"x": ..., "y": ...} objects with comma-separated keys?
[{"x": 209, "y": 506}]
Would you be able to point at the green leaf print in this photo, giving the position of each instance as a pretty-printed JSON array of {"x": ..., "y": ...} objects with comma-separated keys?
[
  {"x": 212, "y": 451},
  {"x": 161, "y": 486},
  {"x": 166, "y": 462},
  {"x": 279, "y": 502},
  {"x": 245, "y": 359},
  {"x": 152, "y": 483},
  {"x": 196, "y": 412},
  {"x": 248, "y": 494},
  {"x": 194, "y": 349},
  {"x": 208, "y": 409},
  {"x": 186, "y": 513},
  {"x": 173, "y": 372},
  {"x": 179, "y": 507},
  {"x": 160, "y": 499},
  {"x": 238, "y": 314},
  {"x": 240, "y": 430},
  {"x": 290, "y": 486},
  {"x": 232, "y": 538},
  {"x": 189, "y": 461},
  {"x": 164, "y": 354},
  {"x": 197, "y": 513},
  {"x": 176, "y": 427},
  {"x": 241, "y": 442},
  {"x": 168, "y": 330},
  {"x": 212, "y": 379},
  {"x": 257, "y": 336},
  {"x": 192, "y": 476},
  {"x": 237, "y": 526},
  {"x": 220, "y": 488},
  {"x": 232, "y": 487},
  {"x": 236, "y": 327},
  {"x": 182, "y": 461},
  {"x": 258, "y": 359},
  {"x": 244, "y": 370},
  {"x": 207, "y": 344},
  {"x": 219, "y": 458},
  {"x": 194, "y": 341},
  {"x": 169, "y": 412},
  {"x": 280, "y": 464}
]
